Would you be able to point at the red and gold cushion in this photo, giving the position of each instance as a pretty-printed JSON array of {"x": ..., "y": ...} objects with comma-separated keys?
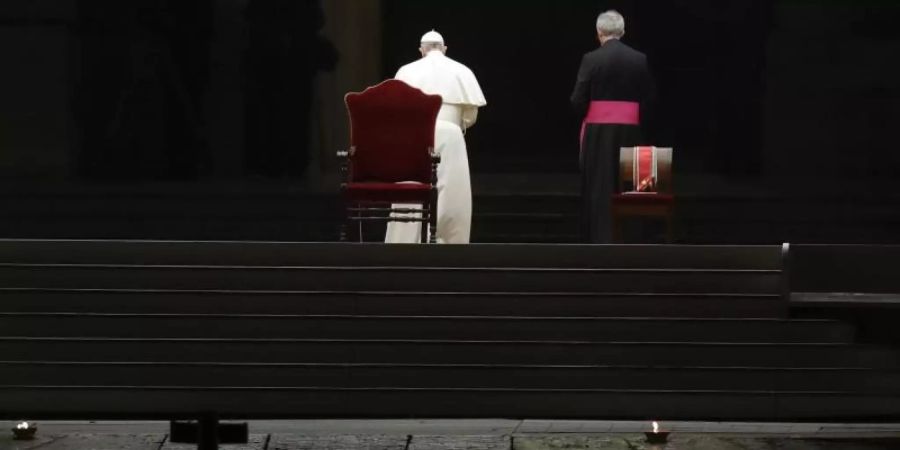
[{"x": 645, "y": 170}]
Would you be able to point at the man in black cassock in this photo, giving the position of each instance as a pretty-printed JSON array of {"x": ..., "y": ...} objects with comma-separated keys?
[{"x": 613, "y": 90}]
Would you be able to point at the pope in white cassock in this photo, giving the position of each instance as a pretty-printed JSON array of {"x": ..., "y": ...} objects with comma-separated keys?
[{"x": 437, "y": 74}]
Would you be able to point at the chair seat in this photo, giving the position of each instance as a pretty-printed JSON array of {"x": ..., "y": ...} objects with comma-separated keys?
[
  {"x": 652, "y": 198},
  {"x": 388, "y": 192}
]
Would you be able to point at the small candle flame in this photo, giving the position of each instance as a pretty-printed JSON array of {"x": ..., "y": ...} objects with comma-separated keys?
[
  {"x": 22, "y": 426},
  {"x": 655, "y": 427}
]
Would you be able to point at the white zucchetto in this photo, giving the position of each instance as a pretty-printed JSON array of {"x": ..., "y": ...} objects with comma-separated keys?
[{"x": 432, "y": 37}]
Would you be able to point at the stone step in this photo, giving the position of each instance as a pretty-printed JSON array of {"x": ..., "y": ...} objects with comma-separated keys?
[
  {"x": 81, "y": 325},
  {"x": 396, "y": 303},
  {"x": 711, "y": 354},
  {"x": 472, "y": 404},
  {"x": 243, "y": 253},
  {"x": 359, "y": 278},
  {"x": 675, "y": 378}
]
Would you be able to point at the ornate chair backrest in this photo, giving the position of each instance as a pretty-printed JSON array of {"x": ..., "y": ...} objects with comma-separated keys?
[
  {"x": 647, "y": 169},
  {"x": 391, "y": 133}
]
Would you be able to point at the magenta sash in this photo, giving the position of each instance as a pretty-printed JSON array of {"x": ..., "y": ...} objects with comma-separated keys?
[{"x": 608, "y": 112}]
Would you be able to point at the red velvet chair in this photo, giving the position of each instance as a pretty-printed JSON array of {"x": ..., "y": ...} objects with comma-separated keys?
[
  {"x": 645, "y": 188},
  {"x": 391, "y": 158}
]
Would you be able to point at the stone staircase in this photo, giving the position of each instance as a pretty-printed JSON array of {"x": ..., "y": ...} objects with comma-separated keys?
[{"x": 264, "y": 330}]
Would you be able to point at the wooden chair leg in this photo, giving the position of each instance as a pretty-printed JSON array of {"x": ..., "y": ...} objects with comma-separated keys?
[
  {"x": 432, "y": 217},
  {"x": 432, "y": 227}
]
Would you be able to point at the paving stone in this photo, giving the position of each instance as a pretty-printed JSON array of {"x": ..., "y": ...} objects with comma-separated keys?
[
  {"x": 402, "y": 427},
  {"x": 8, "y": 443},
  {"x": 534, "y": 426},
  {"x": 347, "y": 442},
  {"x": 460, "y": 443},
  {"x": 859, "y": 427},
  {"x": 757, "y": 443},
  {"x": 692, "y": 442},
  {"x": 697, "y": 442},
  {"x": 105, "y": 442},
  {"x": 572, "y": 442},
  {"x": 256, "y": 442}
]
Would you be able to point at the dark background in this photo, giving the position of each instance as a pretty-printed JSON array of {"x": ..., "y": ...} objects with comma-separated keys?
[
  {"x": 708, "y": 58},
  {"x": 790, "y": 102}
]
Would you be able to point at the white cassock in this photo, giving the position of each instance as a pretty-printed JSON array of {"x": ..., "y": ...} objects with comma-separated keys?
[{"x": 462, "y": 96}]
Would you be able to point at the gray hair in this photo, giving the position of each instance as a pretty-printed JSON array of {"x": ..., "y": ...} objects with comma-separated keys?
[{"x": 611, "y": 23}]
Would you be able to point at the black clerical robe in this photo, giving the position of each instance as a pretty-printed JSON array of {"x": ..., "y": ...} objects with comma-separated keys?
[{"x": 612, "y": 94}]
